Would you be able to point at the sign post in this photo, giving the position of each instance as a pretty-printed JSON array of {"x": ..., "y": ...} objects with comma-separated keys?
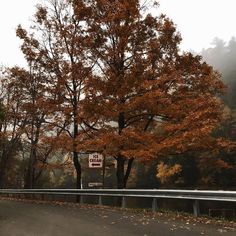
[{"x": 103, "y": 172}]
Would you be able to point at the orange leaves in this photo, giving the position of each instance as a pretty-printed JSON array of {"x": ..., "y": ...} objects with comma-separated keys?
[
  {"x": 113, "y": 80},
  {"x": 130, "y": 143},
  {"x": 41, "y": 14},
  {"x": 168, "y": 100},
  {"x": 165, "y": 172},
  {"x": 20, "y": 32},
  {"x": 226, "y": 144}
]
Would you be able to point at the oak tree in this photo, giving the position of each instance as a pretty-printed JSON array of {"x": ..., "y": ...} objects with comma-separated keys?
[
  {"x": 10, "y": 129},
  {"x": 30, "y": 88},
  {"x": 146, "y": 98},
  {"x": 55, "y": 44}
]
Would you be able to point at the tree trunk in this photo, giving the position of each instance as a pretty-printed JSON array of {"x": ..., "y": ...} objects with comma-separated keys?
[
  {"x": 29, "y": 182},
  {"x": 5, "y": 160},
  {"x": 78, "y": 169},
  {"x": 75, "y": 131},
  {"x": 78, "y": 173},
  {"x": 76, "y": 158},
  {"x": 128, "y": 170},
  {"x": 30, "y": 177},
  {"x": 3, "y": 166},
  {"x": 121, "y": 174}
]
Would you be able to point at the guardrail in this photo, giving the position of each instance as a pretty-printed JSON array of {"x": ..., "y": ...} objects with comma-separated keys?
[{"x": 194, "y": 195}]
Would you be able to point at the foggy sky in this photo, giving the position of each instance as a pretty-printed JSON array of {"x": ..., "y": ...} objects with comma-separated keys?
[{"x": 199, "y": 21}]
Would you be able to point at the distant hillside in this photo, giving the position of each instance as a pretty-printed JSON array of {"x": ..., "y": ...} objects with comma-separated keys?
[{"x": 222, "y": 56}]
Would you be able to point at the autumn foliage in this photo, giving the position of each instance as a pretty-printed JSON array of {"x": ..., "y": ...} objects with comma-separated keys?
[
  {"x": 147, "y": 98},
  {"x": 111, "y": 79}
]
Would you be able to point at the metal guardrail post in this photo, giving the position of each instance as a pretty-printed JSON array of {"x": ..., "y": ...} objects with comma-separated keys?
[
  {"x": 100, "y": 200},
  {"x": 123, "y": 204},
  {"x": 154, "y": 204},
  {"x": 81, "y": 199},
  {"x": 196, "y": 209}
]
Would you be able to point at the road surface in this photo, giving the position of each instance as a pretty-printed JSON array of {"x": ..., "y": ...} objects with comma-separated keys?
[{"x": 19, "y": 218}]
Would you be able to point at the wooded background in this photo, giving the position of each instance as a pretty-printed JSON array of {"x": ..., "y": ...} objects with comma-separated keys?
[{"x": 108, "y": 77}]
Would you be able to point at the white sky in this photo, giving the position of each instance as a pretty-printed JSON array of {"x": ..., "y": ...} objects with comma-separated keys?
[{"x": 199, "y": 21}]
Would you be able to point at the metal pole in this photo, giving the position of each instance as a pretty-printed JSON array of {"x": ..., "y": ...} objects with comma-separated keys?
[
  {"x": 81, "y": 199},
  {"x": 154, "y": 204},
  {"x": 123, "y": 204},
  {"x": 196, "y": 209},
  {"x": 103, "y": 172},
  {"x": 99, "y": 200}
]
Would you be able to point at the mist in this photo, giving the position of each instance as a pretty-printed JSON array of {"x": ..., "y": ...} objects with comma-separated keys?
[{"x": 222, "y": 56}]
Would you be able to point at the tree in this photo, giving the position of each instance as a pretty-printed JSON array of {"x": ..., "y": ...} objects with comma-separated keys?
[
  {"x": 146, "y": 98},
  {"x": 222, "y": 57},
  {"x": 56, "y": 46},
  {"x": 31, "y": 89},
  {"x": 10, "y": 129}
]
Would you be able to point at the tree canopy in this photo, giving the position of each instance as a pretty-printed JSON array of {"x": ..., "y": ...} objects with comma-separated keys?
[{"x": 108, "y": 76}]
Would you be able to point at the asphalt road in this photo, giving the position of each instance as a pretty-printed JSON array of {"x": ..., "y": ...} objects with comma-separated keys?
[{"x": 30, "y": 219}]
